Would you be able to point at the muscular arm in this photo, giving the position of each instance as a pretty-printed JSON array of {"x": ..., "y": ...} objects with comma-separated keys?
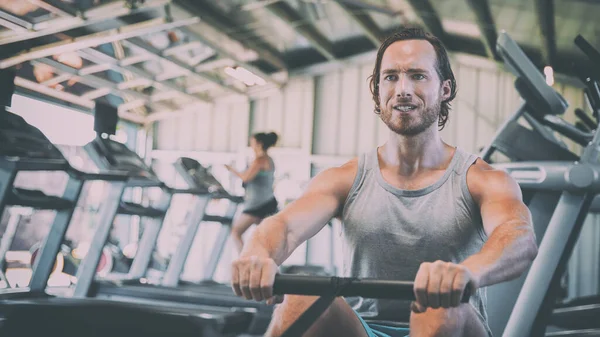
[
  {"x": 279, "y": 235},
  {"x": 511, "y": 244}
]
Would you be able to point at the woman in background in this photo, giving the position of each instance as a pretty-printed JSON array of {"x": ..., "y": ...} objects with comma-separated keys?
[{"x": 259, "y": 199}]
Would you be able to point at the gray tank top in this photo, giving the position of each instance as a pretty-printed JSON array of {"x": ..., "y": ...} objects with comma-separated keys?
[
  {"x": 259, "y": 190},
  {"x": 388, "y": 232}
]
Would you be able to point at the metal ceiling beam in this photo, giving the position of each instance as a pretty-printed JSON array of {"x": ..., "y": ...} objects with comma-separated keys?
[
  {"x": 231, "y": 56},
  {"x": 302, "y": 26},
  {"x": 366, "y": 23},
  {"x": 96, "y": 68},
  {"x": 95, "y": 94},
  {"x": 16, "y": 20},
  {"x": 544, "y": 10},
  {"x": 97, "y": 82},
  {"x": 182, "y": 48},
  {"x": 68, "y": 97},
  {"x": 456, "y": 44},
  {"x": 60, "y": 24},
  {"x": 113, "y": 63},
  {"x": 137, "y": 82},
  {"x": 211, "y": 65},
  {"x": 222, "y": 22},
  {"x": 61, "y": 95},
  {"x": 487, "y": 27},
  {"x": 56, "y": 7},
  {"x": 87, "y": 41},
  {"x": 130, "y": 60},
  {"x": 13, "y": 27},
  {"x": 427, "y": 13},
  {"x": 133, "y": 104},
  {"x": 156, "y": 53},
  {"x": 58, "y": 79}
]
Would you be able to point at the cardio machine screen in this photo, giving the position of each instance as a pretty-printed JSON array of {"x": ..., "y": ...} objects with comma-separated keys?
[{"x": 530, "y": 83}]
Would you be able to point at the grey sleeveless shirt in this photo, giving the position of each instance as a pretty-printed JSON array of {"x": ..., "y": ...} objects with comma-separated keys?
[
  {"x": 259, "y": 191},
  {"x": 388, "y": 232}
]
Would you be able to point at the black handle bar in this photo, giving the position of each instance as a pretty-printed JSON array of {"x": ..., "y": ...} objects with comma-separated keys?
[
  {"x": 586, "y": 119},
  {"x": 592, "y": 53},
  {"x": 366, "y": 287}
]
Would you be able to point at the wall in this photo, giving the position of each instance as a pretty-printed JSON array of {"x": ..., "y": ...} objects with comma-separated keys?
[{"x": 325, "y": 116}]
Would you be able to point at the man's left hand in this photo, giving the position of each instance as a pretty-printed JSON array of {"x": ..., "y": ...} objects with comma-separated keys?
[{"x": 441, "y": 285}]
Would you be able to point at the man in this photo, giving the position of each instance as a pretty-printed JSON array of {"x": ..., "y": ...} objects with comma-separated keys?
[{"x": 413, "y": 209}]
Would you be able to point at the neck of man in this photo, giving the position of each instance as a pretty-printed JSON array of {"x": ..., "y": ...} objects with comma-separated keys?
[{"x": 409, "y": 155}]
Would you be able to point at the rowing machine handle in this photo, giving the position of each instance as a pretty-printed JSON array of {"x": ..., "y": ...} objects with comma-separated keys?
[{"x": 347, "y": 286}]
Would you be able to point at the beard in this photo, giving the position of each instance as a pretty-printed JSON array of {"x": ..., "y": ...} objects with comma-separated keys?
[{"x": 412, "y": 124}]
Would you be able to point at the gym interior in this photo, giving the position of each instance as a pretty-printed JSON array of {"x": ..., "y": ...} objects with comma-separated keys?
[{"x": 124, "y": 122}]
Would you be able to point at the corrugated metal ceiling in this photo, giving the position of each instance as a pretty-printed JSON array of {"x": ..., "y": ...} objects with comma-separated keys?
[{"x": 165, "y": 54}]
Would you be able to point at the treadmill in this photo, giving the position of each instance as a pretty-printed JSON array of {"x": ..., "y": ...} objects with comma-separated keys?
[
  {"x": 197, "y": 176},
  {"x": 108, "y": 154},
  {"x": 32, "y": 311},
  {"x": 575, "y": 182}
]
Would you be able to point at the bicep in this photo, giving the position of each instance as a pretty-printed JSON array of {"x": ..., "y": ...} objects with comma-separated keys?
[
  {"x": 322, "y": 201},
  {"x": 511, "y": 213},
  {"x": 501, "y": 204},
  {"x": 307, "y": 215}
]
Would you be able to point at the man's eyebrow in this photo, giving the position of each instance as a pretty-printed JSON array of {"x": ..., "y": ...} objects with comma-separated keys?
[
  {"x": 390, "y": 71},
  {"x": 417, "y": 70},
  {"x": 410, "y": 70}
]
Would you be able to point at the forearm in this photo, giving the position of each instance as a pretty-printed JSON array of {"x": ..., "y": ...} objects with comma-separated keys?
[
  {"x": 270, "y": 239},
  {"x": 236, "y": 173},
  {"x": 244, "y": 176},
  {"x": 507, "y": 253}
]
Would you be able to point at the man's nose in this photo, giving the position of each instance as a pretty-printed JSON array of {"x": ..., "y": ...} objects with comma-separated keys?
[{"x": 404, "y": 87}]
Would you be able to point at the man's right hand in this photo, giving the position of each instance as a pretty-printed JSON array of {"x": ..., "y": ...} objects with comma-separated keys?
[{"x": 253, "y": 277}]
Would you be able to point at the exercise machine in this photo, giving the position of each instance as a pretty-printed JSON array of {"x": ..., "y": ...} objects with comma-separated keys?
[
  {"x": 328, "y": 288},
  {"x": 573, "y": 181},
  {"x": 32, "y": 310},
  {"x": 133, "y": 287},
  {"x": 579, "y": 313},
  {"x": 171, "y": 289}
]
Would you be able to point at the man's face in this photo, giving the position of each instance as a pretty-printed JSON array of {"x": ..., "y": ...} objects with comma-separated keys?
[{"x": 410, "y": 90}]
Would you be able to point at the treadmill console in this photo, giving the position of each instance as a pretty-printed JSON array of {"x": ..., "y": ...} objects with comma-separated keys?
[
  {"x": 21, "y": 139},
  {"x": 198, "y": 176},
  {"x": 111, "y": 155},
  {"x": 531, "y": 85}
]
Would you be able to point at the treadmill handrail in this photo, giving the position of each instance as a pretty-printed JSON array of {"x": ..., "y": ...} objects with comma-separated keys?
[
  {"x": 561, "y": 126},
  {"x": 554, "y": 175},
  {"x": 234, "y": 198},
  {"x": 586, "y": 119},
  {"x": 103, "y": 176},
  {"x": 194, "y": 191},
  {"x": 141, "y": 181},
  {"x": 591, "y": 53},
  {"x": 30, "y": 164}
]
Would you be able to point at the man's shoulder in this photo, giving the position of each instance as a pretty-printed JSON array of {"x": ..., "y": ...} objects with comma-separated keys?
[
  {"x": 337, "y": 179},
  {"x": 483, "y": 178},
  {"x": 342, "y": 172}
]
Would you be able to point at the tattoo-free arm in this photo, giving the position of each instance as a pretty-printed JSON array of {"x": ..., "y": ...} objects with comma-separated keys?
[
  {"x": 249, "y": 174},
  {"x": 511, "y": 244}
]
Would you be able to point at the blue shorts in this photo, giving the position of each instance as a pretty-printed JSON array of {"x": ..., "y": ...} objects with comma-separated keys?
[{"x": 377, "y": 330}]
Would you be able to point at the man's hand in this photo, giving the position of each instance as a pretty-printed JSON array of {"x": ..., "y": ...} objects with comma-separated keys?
[
  {"x": 253, "y": 277},
  {"x": 441, "y": 285}
]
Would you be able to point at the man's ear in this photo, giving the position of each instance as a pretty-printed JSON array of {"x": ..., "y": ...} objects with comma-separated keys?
[{"x": 446, "y": 90}]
